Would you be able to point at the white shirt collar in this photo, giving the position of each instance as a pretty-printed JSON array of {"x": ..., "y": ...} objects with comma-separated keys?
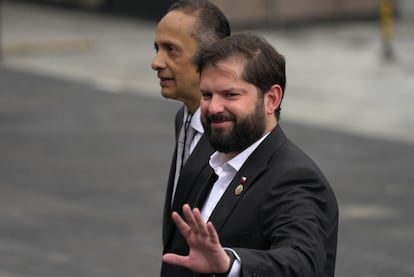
[{"x": 195, "y": 120}]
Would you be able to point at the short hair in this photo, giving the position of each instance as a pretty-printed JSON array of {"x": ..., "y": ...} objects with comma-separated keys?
[
  {"x": 263, "y": 66},
  {"x": 211, "y": 24}
]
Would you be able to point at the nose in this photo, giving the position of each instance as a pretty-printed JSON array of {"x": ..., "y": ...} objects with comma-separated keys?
[
  {"x": 158, "y": 62},
  {"x": 216, "y": 104}
]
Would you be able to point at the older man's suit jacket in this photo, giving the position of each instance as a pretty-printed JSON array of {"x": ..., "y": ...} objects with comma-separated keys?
[
  {"x": 193, "y": 175},
  {"x": 285, "y": 221}
]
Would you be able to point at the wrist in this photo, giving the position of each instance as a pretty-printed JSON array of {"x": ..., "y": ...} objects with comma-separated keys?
[{"x": 232, "y": 259}]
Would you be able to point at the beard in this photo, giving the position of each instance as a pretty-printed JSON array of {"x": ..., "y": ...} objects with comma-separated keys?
[{"x": 245, "y": 131}]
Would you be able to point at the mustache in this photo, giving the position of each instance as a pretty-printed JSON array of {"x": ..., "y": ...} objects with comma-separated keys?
[{"x": 220, "y": 117}]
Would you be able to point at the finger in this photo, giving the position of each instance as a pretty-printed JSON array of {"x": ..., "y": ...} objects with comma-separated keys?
[
  {"x": 175, "y": 259},
  {"x": 199, "y": 222},
  {"x": 181, "y": 224},
  {"x": 189, "y": 217},
  {"x": 213, "y": 233}
]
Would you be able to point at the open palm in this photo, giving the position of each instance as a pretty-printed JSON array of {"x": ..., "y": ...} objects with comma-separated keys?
[{"x": 206, "y": 254}]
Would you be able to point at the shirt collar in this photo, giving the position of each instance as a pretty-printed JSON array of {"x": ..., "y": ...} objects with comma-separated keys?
[
  {"x": 195, "y": 120},
  {"x": 218, "y": 159}
]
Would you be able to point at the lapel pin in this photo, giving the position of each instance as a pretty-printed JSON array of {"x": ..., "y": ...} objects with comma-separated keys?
[{"x": 239, "y": 189}]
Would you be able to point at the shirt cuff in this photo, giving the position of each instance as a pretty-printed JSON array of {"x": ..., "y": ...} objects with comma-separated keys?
[{"x": 236, "y": 267}]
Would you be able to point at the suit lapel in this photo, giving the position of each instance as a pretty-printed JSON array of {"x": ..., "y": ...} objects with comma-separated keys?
[
  {"x": 167, "y": 203},
  {"x": 197, "y": 162},
  {"x": 231, "y": 197},
  {"x": 250, "y": 171},
  {"x": 194, "y": 173},
  {"x": 170, "y": 185}
]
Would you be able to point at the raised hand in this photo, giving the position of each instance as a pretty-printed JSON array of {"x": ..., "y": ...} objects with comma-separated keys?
[{"x": 206, "y": 253}]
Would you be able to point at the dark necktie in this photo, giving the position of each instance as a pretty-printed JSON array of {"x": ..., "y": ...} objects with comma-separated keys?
[
  {"x": 183, "y": 149},
  {"x": 188, "y": 137}
]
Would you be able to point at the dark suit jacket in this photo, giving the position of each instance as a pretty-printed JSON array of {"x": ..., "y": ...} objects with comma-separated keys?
[
  {"x": 193, "y": 175},
  {"x": 285, "y": 222}
]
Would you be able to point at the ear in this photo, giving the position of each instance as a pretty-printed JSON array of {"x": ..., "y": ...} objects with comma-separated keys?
[{"x": 273, "y": 98}]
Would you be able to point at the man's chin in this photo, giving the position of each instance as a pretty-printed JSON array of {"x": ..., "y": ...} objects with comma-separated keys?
[
  {"x": 168, "y": 93},
  {"x": 219, "y": 132},
  {"x": 220, "y": 135}
]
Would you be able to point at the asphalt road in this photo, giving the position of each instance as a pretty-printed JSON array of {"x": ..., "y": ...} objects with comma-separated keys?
[{"x": 83, "y": 173}]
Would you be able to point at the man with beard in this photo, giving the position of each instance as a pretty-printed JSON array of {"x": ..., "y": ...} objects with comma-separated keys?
[{"x": 268, "y": 210}]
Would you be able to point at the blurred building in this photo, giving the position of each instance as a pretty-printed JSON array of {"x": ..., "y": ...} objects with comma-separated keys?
[
  {"x": 282, "y": 12},
  {"x": 150, "y": 10},
  {"x": 406, "y": 8},
  {"x": 257, "y": 12}
]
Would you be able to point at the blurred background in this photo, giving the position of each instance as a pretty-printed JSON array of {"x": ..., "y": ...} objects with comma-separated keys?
[{"x": 86, "y": 139}]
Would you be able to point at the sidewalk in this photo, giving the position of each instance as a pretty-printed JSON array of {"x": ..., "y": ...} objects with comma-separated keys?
[{"x": 336, "y": 77}]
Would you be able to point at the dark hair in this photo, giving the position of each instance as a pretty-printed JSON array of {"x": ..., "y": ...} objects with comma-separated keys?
[
  {"x": 211, "y": 23},
  {"x": 263, "y": 65}
]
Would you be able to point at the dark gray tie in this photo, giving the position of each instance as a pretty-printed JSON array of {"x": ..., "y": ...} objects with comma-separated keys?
[{"x": 183, "y": 147}]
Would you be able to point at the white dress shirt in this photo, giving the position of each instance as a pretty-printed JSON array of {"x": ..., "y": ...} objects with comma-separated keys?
[{"x": 226, "y": 170}]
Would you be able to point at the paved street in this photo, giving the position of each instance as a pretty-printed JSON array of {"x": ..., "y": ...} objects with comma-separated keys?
[{"x": 86, "y": 140}]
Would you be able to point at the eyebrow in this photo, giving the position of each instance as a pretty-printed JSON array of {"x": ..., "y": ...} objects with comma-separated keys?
[
  {"x": 167, "y": 42},
  {"x": 224, "y": 90}
]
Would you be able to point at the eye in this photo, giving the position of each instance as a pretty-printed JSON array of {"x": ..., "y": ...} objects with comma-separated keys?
[
  {"x": 231, "y": 94},
  {"x": 206, "y": 95},
  {"x": 171, "y": 49}
]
